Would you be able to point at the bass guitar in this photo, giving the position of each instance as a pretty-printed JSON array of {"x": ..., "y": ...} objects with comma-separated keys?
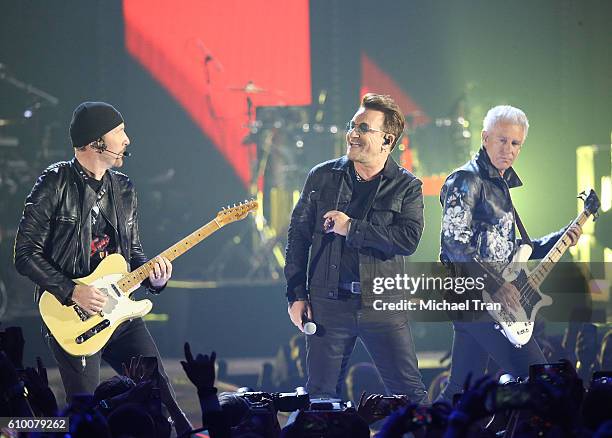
[{"x": 517, "y": 325}]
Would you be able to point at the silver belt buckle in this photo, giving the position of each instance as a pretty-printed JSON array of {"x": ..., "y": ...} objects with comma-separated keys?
[{"x": 356, "y": 288}]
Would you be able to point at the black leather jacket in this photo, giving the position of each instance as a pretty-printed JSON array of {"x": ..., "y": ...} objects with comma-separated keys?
[
  {"x": 54, "y": 237},
  {"x": 478, "y": 215},
  {"x": 391, "y": 229}
]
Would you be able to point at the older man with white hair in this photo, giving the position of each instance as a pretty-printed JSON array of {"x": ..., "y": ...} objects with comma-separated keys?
[{"x": 479, "y": 223}]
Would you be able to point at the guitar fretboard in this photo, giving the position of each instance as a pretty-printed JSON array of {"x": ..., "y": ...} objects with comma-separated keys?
[
  {"x": 134, "y": 278},
  {"x": 539, "y": 274}
]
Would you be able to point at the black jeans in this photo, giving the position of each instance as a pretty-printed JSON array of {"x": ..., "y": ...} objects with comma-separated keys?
[
  {"x": 386, "y": 336},
  {"x": 474, "y": 342},
  {"x": 132, "y": 338}
]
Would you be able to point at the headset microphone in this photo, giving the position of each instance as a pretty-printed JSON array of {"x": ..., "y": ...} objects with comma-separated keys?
[
  {"x": 123, "y": 154},
  {"x": 101, "y": 147}
]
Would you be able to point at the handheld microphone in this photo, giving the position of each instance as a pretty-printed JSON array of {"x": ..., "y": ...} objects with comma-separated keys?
[{"x": 310, "y": 327}]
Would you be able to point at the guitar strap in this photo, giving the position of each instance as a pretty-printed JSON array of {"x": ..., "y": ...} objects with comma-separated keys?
[{"x": 524, "y": 236}]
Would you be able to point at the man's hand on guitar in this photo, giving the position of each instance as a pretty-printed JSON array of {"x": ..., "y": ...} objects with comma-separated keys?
[
  {"x": 508, "y": 295},
  {"x": 574, "y": 232},
  {"x": 89, "y": 298},
  {"x": 161, "y": 272}
]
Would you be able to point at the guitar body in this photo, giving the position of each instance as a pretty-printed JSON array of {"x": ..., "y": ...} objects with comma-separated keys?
[
  {"x": 517, "y": 325},
  {"x": 82, "y": 335}
]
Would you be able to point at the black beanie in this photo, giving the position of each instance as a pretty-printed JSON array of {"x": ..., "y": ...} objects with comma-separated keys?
[{"x": 91, "y": 120}]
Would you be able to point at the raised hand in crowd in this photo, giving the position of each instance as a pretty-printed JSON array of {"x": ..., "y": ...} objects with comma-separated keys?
[
  {"x": 200, "y": 370},
  {"x": 143, "y": 369},
  {"x": 366, "y": 407},
  {"x": 140, "y": 394},
  {"x": 136, "y": 370},
  {"x": 40, "y": 394}
]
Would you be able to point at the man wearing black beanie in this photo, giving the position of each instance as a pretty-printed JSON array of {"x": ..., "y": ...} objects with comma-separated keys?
[{"x": 79, "y": 212}]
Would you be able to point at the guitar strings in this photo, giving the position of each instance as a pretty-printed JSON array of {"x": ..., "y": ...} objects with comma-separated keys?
[{"x": 527, "y": 291}]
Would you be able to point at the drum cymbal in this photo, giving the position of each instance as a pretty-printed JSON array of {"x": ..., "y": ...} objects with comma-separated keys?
[{"x": 250, "y": 88}]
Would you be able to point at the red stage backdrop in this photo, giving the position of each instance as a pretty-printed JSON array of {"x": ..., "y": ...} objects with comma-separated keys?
[{"x": 201, "y": 51}]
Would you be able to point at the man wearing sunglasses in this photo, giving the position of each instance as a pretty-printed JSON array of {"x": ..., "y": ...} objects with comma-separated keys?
[{"x": 356, "y": 219}]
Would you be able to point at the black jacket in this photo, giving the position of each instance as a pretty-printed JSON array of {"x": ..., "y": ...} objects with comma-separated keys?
[
  {"x": 54, "y": 237},
  {"x": 391, "y": 229},
  {"x": 478, "y": 216}
]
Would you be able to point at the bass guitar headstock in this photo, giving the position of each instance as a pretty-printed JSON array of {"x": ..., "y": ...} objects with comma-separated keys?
[{"x": 591, "y": 203}]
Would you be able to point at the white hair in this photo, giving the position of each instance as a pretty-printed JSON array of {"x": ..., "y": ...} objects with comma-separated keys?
[{"x": 507, "y": 114}]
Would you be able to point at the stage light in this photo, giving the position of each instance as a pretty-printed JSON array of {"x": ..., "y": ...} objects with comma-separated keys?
[{"x": 606, "y": 193}]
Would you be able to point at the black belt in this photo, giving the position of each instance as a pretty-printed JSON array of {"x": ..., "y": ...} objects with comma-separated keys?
[{"x": 353, "y": 287}]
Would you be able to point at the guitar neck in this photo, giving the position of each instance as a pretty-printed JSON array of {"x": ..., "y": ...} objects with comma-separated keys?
[
  {"x": 134, "y": 278},
  {"x": 539, "y": 274}
]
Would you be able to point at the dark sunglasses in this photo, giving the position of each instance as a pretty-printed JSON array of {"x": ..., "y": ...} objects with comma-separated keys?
[{"x": 362, "y": 128}]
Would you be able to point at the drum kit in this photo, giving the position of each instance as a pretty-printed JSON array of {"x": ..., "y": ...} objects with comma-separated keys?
[{"x": 289, "y": 141}]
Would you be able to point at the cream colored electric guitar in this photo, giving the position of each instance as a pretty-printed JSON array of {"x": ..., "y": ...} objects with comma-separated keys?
[
  {"x": 517, "y": 325},
  {"x": 81, "y": 334}
]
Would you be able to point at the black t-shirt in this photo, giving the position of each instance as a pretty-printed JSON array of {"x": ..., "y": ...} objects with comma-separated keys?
[
  {"x": 363, "y": 194},
  {"x": 103, "y": 239}
]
